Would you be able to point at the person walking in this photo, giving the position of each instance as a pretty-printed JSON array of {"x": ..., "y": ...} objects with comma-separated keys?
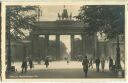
[
  {"x": 102, "y": 64},
  {"x": 24, "y": 66},
  {"x": 110, "y": 63},
  {"x": 90, "y": 63},
  {"x": 67, "y": 60},
  {"x": 97, "y": 64},
  {"x": 85, "y": 65},
  {"x": 30, "y": 63},
  {"x": 47, "y": 63}
]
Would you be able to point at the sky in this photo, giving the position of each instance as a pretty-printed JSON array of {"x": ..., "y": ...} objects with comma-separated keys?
[{"x": 49, "y": 12}]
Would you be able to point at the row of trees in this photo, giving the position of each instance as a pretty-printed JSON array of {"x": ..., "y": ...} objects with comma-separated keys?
[{"x": 103, "y": 19}]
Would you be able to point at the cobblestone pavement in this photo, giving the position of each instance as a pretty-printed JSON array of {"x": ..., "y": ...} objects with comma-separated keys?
[{"x": 60, "y": 69}]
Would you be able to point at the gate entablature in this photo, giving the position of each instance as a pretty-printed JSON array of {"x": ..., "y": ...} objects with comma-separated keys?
[{"x": 61, "y": 27}]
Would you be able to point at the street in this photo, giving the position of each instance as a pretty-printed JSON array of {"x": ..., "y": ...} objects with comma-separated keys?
[{"x": 60, "y": 69}]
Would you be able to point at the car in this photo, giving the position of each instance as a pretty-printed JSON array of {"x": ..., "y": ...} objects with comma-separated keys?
[{"x": 49, "y": 58}]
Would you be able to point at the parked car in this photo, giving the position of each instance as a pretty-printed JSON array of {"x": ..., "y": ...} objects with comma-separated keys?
[{"x": 49, "y": 58}]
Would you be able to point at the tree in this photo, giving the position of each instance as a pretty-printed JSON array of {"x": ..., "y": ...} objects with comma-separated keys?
[
  {"x": 17, "y": 19},
  {"x": 108, "y": 20}
]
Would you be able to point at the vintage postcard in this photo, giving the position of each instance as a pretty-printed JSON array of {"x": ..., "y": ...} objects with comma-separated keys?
[{"x": 63, "y": 41}]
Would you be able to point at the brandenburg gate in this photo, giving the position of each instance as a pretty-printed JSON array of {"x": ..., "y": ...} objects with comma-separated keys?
[{"x": 64, "y": 25}]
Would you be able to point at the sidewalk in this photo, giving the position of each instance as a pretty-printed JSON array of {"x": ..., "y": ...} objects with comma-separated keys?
[{"x": 61, "y": 69}]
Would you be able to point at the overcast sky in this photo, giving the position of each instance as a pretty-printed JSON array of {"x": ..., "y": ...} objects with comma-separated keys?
[{"x": 49, "y": 12}]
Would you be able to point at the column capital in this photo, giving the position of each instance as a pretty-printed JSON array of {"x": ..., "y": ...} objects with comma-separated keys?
[
  {"x": 46, "y": 34},
  {"x": 83, "y": 33},
  {"x": 57, "y": 35},
  {"x": 72, "y": 36}
]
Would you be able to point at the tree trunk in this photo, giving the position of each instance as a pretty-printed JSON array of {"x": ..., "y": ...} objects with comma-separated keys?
[{"x": 8, "y": 51}]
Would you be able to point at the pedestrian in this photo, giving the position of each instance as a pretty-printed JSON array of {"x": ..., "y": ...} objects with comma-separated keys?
[
  {"x": 102, "y": 64},
  {"x": 90, "y": 63},
  {"x": 30, "y": 63},
  {"x": 39, "y": 61},
  {"x": 85, "y": 65},
  {"x": 47, "y": 63},
  {"x": 67, "y": 61},
  {"x": 97, "y": 64},
  {"x": 110, "y": 63},
  {"x": 24, "y": 66}
]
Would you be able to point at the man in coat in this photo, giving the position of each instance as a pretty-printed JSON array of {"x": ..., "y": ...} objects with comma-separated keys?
[
  {"x": 97, "y": 64},
  {"x": 85, "y": 65},
  {"x": 24, "y": 66},
  {"x": 30, "y": 63},
  {"x": 47, "y": 62},
  {"x": 110, "y": 63}
]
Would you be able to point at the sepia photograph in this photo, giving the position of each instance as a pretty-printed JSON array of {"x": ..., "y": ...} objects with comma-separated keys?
[{"x": 65, "y": 41}]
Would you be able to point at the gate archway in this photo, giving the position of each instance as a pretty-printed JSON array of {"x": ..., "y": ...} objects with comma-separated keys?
[{"x": 62, "y": 27}]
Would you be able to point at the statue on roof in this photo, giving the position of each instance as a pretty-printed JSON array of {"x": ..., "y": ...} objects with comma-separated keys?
[
  {"x": 64, "y": 14},
  {"x": 70, "y": 17},
  {"x": 59, "y": 16}
]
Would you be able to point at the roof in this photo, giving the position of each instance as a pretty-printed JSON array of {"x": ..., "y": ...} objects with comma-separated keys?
[
  {"x": 59, "y": 27},
  {"x": 59, "y": 24}
]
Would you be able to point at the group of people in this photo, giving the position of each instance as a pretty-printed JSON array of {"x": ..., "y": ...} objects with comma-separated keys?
[
  {"x": 25, "y": 64},
  {"x": 89, "y": 63},
  {"x": 86, "y": 64},
  {"x": 28, "y": 62}
]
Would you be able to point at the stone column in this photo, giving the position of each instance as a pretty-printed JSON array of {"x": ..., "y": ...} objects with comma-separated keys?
[
  {"x": 35, "y": 44},
  {"x": 57, "y": 46},
  {"x": 43, "y": 46},
  {"x": 46, "y": 44},
  {"x": 72, "y": 45},
  {"x": 32, "y": 44},
  {"x": 24, "y": 52},
  {"x": 84, "y": 44},
  {"x": 34, "y": 39}
]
